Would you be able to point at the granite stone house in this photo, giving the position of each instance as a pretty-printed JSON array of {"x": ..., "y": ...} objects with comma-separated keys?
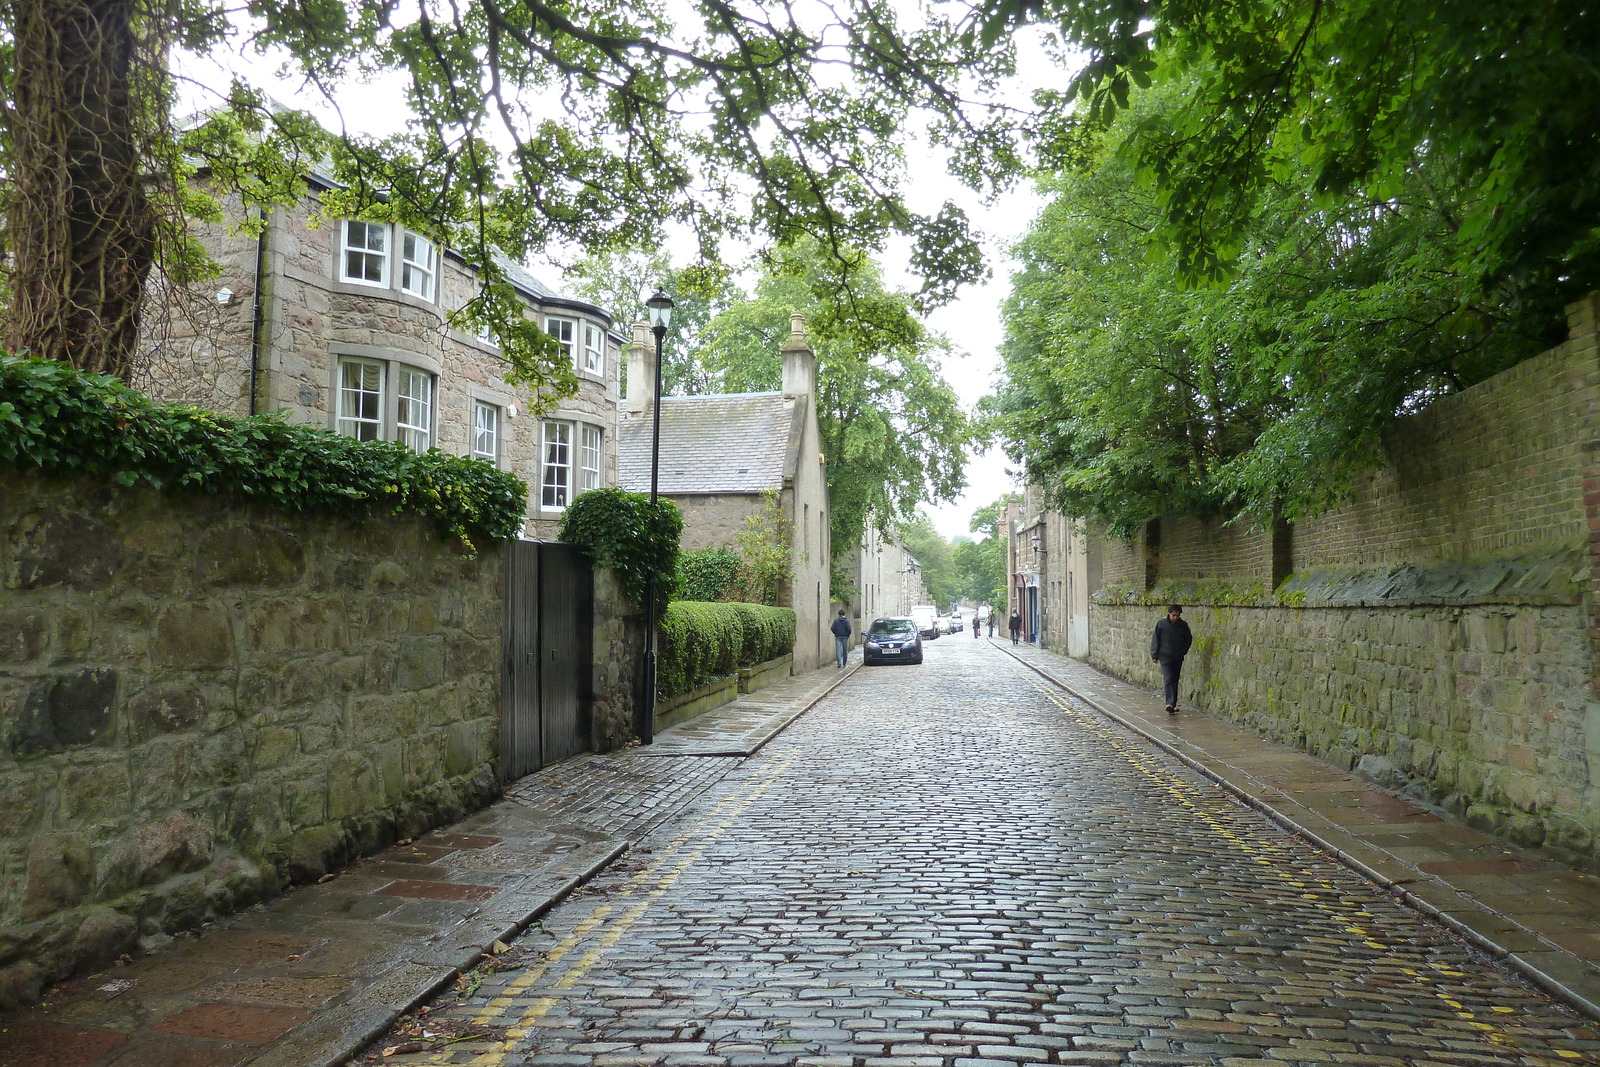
[
  {"x": 720, "y": 453},
  {"x": 345, "y": 324}
]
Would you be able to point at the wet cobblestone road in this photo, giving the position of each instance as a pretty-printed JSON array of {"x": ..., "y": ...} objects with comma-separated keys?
[{"x": 954, "y": 865}]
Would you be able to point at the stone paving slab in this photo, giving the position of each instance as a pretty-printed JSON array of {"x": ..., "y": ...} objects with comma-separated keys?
[{"x": 1514, "y": 903}]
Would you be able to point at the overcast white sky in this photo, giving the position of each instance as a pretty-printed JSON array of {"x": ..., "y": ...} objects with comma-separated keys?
[{"x": 972, "y": 322}]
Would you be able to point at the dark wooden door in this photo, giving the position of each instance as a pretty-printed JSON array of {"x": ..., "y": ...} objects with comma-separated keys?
[{"x": 547, "y": 696}]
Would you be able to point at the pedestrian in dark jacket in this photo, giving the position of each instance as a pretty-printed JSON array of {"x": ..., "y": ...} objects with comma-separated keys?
[
  {"x": 1016, "y": 627},
  {"x": 1168, "y": 645},
  {"x": 841, "y": 638}
]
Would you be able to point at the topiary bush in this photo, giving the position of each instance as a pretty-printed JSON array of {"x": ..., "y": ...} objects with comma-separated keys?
[
  {"x": 65, "y": 421},
  {"x": 701, "y": 642}
]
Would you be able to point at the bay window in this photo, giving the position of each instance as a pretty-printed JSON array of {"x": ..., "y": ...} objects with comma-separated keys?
[{"x": 569, "y": 461}]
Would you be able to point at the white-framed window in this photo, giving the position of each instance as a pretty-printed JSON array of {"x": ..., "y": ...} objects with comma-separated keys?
[
  {"x": 565, "y": 332},
  {"x": 383, "y": 401},
  {"x": 361, "y": 384},
  {"x": 419, "y": 264},
  {"x": 366, "y": 253},
  {"x": 555, "y": 479},
  {"x": 413, "y": 420},
  {"x": 594, "y": 349},
  {"x": 485, "y": 431},
  {"x": 569, "y": 461},
  {"x": 588, "y": 458}
]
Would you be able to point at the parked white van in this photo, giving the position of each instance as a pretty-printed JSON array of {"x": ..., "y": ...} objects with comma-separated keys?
[{"x": 927, "y": 617}]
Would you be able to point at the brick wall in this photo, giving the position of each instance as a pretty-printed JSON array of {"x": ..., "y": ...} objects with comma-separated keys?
[{"x": 201, "y": 702}]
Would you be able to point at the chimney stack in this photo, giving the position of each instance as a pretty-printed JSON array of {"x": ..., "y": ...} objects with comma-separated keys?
[
  {"x": 641, "y": 371},
  {"x": 799, "y": 362}
]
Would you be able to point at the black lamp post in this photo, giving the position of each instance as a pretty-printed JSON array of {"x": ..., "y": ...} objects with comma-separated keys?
[{"x": 660, "y": 305}]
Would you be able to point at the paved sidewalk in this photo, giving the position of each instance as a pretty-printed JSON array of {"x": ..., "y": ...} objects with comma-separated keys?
[
  {"x": 1540, "y": 916},
  {"x": 312, "y": 977}
]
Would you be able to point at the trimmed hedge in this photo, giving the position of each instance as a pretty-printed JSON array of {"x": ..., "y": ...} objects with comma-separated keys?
[{"x": 701, "y": 642}]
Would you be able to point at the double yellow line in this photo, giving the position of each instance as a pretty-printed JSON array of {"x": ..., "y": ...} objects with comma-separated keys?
[
  {"x": 611, "y": 922},
  {"x": 1320, "y": 893}
]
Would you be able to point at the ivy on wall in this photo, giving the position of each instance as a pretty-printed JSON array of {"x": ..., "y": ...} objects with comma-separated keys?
[
  {"x": 617, "y": 529},
  {"x": 64, "y": 421}
]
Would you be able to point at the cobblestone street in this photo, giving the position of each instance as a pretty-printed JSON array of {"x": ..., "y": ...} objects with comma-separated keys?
[{"x": 954, "y": 865}]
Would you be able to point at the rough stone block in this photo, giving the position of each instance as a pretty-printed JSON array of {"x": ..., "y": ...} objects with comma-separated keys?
[
  {"x": 66, "y": 710},
  {"x": 60, "y": 874},
  {"x": 165, "y": 709},
  {"x": 352, "y": 786},
  {"x": 196, "y": 634},
  {"x": 98, "y": 794},
  {"x": 273, "y": 746}
]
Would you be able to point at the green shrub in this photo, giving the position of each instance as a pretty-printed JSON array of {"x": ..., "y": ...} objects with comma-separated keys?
[
  {"x": 66, "y": 422},
  {"x": 711, "y": 574},
  {"x": 615, "y": 529},
  {"x": 701, "y": 642}
]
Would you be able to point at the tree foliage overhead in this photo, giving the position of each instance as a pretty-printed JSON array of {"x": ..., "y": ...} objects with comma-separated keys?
[
  {"x": 1249, "y": 375},
  {"x": 591, "y": 125}
]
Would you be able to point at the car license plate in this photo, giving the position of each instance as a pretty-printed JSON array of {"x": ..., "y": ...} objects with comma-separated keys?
[{"x": 891, "y": 652}]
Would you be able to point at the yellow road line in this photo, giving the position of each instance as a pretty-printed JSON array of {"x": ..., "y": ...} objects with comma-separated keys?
[{"x": 1321, "y": 892}]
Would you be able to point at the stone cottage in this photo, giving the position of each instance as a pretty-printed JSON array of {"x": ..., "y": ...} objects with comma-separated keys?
[
  {"x": 721, "y": 452},
  {"x": 344, "y": 324}
]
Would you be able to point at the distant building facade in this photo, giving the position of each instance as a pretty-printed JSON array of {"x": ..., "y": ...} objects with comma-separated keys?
[{"x": 722, "y": 454}]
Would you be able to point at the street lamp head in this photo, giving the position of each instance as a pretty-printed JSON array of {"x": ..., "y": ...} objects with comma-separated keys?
[{"x": 660, "y": 305}]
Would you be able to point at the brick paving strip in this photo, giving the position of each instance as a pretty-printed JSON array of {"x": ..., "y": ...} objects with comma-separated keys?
[
  {"x": 1540, "y": 916},
  {"x": 310, "y": 978}
]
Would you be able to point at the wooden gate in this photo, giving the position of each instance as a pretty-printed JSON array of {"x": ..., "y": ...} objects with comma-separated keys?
[{"x": 547, "y": 693}]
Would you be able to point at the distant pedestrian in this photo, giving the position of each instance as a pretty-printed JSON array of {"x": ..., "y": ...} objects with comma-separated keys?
[
  {"x": 977, "y": 625},
  {"x": 1016, "y": 627},
  {"x": 1168, "y": 645},
  {"x": 991, "y": 621},
  {"x": 841, "y": 638}
]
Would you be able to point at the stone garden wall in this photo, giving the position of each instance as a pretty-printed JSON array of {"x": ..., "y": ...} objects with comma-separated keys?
[
  {"x": 201, "y": 703},
  {"x": 1437, "y": 632}
]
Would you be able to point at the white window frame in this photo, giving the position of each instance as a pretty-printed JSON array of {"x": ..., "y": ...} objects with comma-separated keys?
[
  {"x": 413, "y": 418},
  {"x": 352, "y": 420},
  {"x": 417, "y": 274},
  {"x": 594, "y": 350},
  {"x": 373, "y": 247},
  {"x": 588, "y": 472},
  {"x": 486, "y": 431},
  {"x": 565, "y": 332},
  {"x": 555, "y": 464}
]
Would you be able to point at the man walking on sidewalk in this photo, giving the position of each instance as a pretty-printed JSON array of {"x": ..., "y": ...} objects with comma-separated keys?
[
  {"x": 841, "y": 638},
  {"x": 1016, "y": 626},
  {"x": 1168, "y": 645}
]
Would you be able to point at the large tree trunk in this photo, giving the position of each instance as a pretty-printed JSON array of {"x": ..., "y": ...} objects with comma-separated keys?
[{"x": 82, "y": 229}]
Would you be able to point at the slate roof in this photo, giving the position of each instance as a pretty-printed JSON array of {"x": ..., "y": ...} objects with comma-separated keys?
[{"x": 726, "y": 443}]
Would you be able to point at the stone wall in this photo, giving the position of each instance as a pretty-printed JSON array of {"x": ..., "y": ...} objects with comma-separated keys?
[
  {"x": 1438, "y": 630},
  {"x": 201, "y": 703},
  {"x": 1483, "y": 709}
]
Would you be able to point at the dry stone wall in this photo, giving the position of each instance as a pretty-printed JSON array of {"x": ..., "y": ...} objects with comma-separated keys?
[{"x": 202, "y": 702}]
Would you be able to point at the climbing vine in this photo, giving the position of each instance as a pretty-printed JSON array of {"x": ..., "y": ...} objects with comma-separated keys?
[
  {"x": 64, "y": 421},
  {"x": 618, "y": 530}
]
